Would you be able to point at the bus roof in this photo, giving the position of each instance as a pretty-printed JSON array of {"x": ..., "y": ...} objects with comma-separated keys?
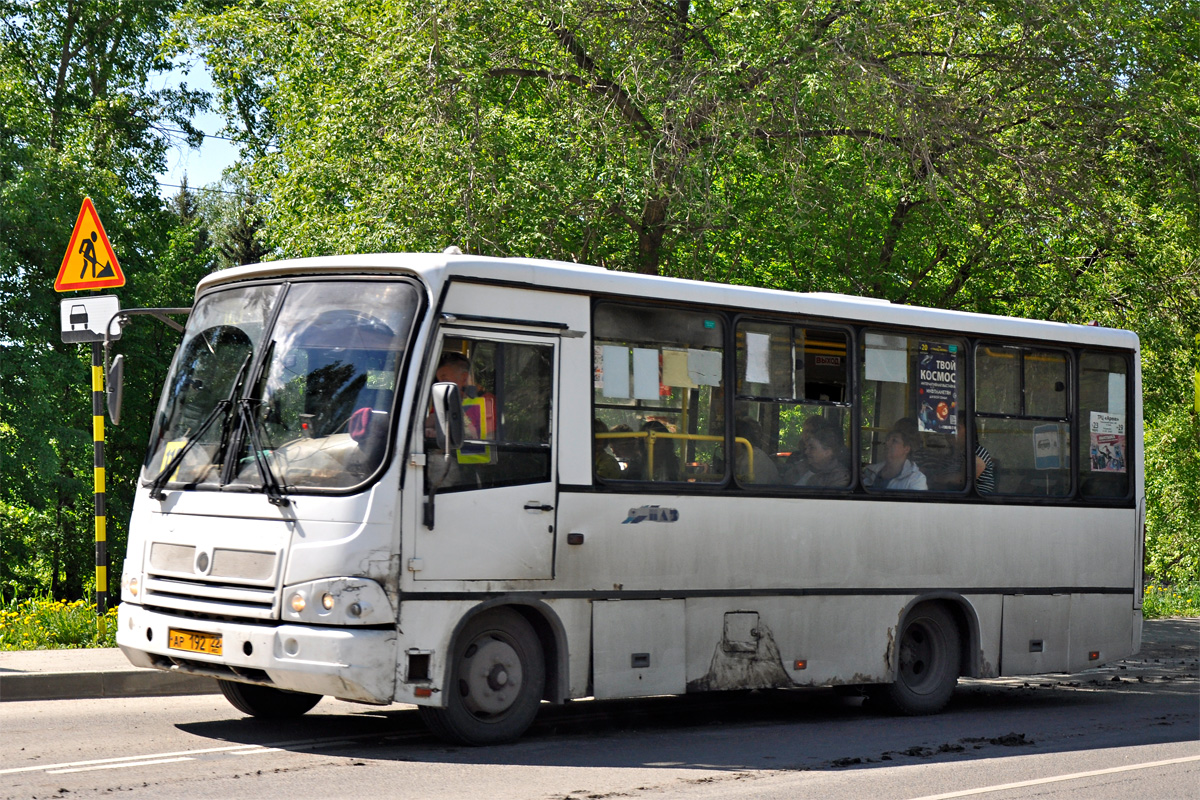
[{"x": 437, "y": 268}]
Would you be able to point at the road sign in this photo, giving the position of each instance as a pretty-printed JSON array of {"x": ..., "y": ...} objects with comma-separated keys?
[
  {"x": 90, "y": 262},
  {"x": 84, "y": 319}
]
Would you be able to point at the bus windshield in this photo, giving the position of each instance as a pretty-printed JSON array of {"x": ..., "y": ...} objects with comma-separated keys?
[{"x": 283, "y": 384}]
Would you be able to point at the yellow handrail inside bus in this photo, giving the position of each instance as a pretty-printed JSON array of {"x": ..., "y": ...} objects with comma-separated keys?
[{"x": 691, "y": 437}]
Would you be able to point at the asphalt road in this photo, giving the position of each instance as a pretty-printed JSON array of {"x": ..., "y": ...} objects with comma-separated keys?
[{"x": 1130, "y": 729}]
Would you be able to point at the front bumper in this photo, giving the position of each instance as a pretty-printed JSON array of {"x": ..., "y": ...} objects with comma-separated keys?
[{"x": 346, "y": 663}]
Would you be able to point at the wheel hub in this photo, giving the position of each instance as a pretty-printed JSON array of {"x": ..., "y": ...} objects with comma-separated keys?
[{"x": 491, "y": 677}]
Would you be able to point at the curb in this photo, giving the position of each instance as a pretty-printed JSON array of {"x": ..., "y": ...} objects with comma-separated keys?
[{"x": 16, "y": 686}]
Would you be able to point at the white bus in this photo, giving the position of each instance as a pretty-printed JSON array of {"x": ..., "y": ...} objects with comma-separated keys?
[{"x": 623, "y": 486}]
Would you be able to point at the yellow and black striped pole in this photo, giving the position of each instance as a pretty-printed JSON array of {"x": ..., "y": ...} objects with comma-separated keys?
[{"x": 98, "y": 464}]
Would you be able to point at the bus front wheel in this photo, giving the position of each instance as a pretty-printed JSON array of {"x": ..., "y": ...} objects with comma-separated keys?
[
  {"x": 267, "y": 702},
  {"x": 497, "y": 679},
  {"x": 927, "y": 663}
]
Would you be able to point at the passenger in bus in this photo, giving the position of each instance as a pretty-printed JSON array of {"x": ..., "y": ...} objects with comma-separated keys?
[
  {"x": 896, "y": 471},
  {"x": 758, "y": 468},
  {"x": 827, "y": 460},
  {"x": 454, "y": 367},
  {"x": 666, "y": 462},
  {"x": 796, "y": 464},
  {"x": 629, "y": 452},
  {"x": 946, "y": 471},
  {"x": 604, "y": 463}
]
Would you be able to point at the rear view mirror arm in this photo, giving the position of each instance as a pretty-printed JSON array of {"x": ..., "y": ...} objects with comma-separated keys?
[{"x": 114, "y": 375}]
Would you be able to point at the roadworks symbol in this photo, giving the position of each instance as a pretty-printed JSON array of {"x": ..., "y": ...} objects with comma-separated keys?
[
  {"x": 651, "y": 514},
  {"x": 90, "y": 262}
]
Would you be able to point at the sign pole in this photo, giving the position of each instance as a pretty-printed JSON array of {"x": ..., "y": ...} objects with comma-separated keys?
[
  {"x": 98, "y": 471},
  {"x": 90, "y": 263}
]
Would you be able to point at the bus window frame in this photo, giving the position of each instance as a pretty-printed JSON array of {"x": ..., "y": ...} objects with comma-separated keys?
[
  {"x": 403, "y": 376},
  {"x": 851, "y": 331},
  {"x": 1132, "y": 464},
  {"x": 727, "y": 370},
  {"x": 1072, "y": 495}
]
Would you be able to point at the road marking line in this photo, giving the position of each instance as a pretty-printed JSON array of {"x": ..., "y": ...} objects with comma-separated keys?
[
  {"x": 1072, "y": 777},
  {"x": 48, "y": 767},
  {"x": 165, "y": 758},
  {"x": 118, "y": 766}
]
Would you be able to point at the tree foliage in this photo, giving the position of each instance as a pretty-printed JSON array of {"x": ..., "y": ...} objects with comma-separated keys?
[{"x": 77, "y": 118}]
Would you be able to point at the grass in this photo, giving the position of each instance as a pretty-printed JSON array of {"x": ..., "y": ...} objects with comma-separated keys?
[
  {"x": 1179, "y": 600},
  {"x": 46, "y": 624}
]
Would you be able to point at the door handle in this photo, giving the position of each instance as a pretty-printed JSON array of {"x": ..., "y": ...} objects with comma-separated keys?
[{"x": 533, "y": 505}]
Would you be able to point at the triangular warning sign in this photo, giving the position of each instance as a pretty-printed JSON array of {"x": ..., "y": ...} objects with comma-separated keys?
[{"x": 90, "y": 262}]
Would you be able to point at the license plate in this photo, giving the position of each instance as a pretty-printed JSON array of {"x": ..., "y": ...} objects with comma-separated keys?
[{"x": 194, "y": 641}]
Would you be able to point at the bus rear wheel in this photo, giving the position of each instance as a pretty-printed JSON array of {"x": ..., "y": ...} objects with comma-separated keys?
[
  {"x": 267, "y": 702},
  {"x": 927, "y": 663},
  {"x": 497, "y": 678}
]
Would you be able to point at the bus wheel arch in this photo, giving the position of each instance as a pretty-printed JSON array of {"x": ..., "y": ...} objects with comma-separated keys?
[
  {"x": 965, "y": 616},
  {"x": 930, "y": 649},
  {"x": 501, "y": 640}
]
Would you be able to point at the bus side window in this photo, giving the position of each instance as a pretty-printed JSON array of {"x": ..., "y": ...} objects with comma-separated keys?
[
  {"x": 1022, "y": 419},
  {"x": 506, "y": 389},
  {"x": 912, "y": 392},
  {"x": 1104, "y": 440},
  {"x": 792, "y": 406},
  {"x": 658, "y": 393}
]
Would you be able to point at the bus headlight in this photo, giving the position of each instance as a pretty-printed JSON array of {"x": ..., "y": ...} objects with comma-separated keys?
[
  {"x": 342, "y": 601},
  {"x": 131, "y": 585}
]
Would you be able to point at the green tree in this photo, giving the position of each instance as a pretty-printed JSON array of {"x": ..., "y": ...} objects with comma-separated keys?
[{"x": 77, "y": 117}]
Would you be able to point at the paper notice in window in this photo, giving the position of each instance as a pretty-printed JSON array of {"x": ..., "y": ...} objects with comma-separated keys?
[
  {"x": 615, "y": 369},
  {"x": 889, "y": 366},
  {"x": 1116, "y": 393},
  {"x": 758, "y": 357},
  {"x": 645, "y": 374},
  {"x": 704, "y": 367},
  {"x": 675, "y": 369}
]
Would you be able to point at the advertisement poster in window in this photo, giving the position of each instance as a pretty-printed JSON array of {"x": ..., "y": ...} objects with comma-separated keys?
[
  {"x": 937, "y": 388},
  {"x": 1107, "y": 442}
]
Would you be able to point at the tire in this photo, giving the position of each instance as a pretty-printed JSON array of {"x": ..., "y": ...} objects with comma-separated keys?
[
  {"x": 497, "y": 678},
  {"x": 265, "y": 702},
  {"x": 927, "y": 662}
]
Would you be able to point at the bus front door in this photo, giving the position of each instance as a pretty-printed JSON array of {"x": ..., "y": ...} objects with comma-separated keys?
[{"x": 488, "y": 510}]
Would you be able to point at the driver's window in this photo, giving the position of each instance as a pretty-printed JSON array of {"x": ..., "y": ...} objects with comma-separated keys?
[{"x": 507, "y": 400}]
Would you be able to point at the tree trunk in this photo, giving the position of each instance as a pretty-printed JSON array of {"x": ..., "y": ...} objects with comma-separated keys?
[{"x": 650, "y": 235}]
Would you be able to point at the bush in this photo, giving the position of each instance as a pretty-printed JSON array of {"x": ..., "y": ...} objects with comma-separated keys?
[
  {"x": 1180, "y": 600},
  {"x": 47, "y": 624}
]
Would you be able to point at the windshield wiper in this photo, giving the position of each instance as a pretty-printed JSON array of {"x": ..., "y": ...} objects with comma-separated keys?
[
  {"x": 271, "y": 483},
  {"x": 222, "y": 406}
]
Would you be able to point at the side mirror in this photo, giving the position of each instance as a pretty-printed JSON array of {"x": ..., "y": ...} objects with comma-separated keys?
[
  {"x": 114, "y": 386},
  {"x": 448, "y": 416}
]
